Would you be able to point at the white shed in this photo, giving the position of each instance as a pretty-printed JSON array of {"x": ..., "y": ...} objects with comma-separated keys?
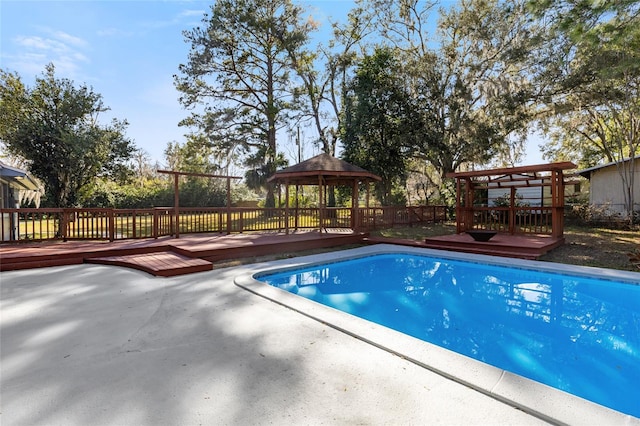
[{"x": 607, "y": 186}]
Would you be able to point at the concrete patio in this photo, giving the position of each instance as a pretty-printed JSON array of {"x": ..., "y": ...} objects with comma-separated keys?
[{"x": 94, "y": 344}]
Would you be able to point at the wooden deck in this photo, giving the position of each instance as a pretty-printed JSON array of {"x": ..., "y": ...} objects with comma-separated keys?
[
  {"x": 169, "y": 256},
  {"x": 520, "y": 246}
]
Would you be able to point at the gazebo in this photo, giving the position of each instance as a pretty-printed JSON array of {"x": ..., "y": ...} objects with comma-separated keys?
[
  {"x": 547, "y": 178},
  {"x": 325, "y": 171}
]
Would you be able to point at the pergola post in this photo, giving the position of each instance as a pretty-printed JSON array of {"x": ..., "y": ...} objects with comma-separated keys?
[
  {"x": 176, "y": 195},
  {"x": 468, "y": 204},
  {"x": 176, "y": 204},
  {"x": 512, "y": 211},
  {"x": 557, "y": 203}
]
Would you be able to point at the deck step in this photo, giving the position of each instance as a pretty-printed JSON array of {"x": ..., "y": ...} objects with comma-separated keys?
[{"x": 163, "y": 264}]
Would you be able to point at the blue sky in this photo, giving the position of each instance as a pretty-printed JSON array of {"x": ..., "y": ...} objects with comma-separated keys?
[{"x": 128, "y": 51}]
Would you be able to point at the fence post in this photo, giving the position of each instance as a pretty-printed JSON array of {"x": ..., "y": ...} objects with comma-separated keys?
[
  {"x": 112, "y": 224},
  {"x": 154, "y": 226},
  {"x": 64, "y": 219}
]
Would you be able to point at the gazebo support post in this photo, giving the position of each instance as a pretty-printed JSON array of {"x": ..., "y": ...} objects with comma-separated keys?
[
  {"x": 286, "y": 208},
  {"x": 355, "y": 222},
  {"x": 296, "y": 225},
  {"x": 320, "y": 203}
]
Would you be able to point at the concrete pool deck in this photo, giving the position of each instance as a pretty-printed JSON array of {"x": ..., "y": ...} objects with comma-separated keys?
[{"x": 92, "y": 344}]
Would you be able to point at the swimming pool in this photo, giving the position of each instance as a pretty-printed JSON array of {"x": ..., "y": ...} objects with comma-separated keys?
[{"x": 573, "y": 332}]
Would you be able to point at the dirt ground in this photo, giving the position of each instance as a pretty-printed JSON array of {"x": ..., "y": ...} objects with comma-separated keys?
[{"x": 605, "y": 248}]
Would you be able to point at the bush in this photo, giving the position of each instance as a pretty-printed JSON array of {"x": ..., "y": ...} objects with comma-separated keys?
[{"x": 591, "y": 215}]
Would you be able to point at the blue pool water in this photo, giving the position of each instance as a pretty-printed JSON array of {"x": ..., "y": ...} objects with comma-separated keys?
[{"x": 577, "y": 334}]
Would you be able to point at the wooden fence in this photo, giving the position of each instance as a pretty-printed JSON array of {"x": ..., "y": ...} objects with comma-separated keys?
[{"x": 20, "y": 225}]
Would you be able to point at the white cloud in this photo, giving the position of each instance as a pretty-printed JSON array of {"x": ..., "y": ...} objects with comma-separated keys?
[
  {"x": 34, "y": 52},
  {"x": 191, "y": 12},
  {"x": 68, "y": 39}
]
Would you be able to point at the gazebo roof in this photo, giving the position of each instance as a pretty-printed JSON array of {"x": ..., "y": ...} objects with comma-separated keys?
[{"x": 332, "y": 170}]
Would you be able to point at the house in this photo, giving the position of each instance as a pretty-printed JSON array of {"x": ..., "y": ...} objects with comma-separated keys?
[
  {"x": 17, "y": 187},
  {"x": 607, "y": 186}
]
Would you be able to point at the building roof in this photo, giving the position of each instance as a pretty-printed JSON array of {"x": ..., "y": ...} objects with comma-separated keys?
[
  {"x": 332, "y": 170},
  {"x": 18, "y": 178},
  {"x": 587, "y": 172}
]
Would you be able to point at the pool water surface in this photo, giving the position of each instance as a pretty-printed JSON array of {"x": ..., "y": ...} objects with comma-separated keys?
[{"x": 575, "y": 333}]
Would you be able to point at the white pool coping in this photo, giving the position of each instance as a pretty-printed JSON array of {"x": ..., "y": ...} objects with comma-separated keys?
[{"x": 532, "y": 397}]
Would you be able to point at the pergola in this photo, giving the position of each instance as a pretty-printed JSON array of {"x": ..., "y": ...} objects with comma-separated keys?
[
  {"x": 325, "y": 171},
  {"x": 511, "y": 178},
  {"x": 176, "y": 194}
]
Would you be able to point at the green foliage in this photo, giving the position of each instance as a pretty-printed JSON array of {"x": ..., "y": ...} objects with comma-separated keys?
[
  {"x": 54, "y": 126},
  {"x": 467, "y": 87},
  {"x": 591, "y": 80},
  {"x": 194, "y": 192},
  {"x": 379, "y": 122}
]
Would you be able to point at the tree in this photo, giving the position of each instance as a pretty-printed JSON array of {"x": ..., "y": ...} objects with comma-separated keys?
[
  {"x": 379, "y": 122},
  {"x": 55, "y": 127},
  {"x": 467, "y": 80},
  {"x": 239, "y": 67},
  {"x": 485, "y": 109},
  {"x": 589, "y": 65}
]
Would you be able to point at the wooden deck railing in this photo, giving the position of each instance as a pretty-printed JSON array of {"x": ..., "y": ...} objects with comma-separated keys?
[
  {"x": 516, "y": 220},
  {"x": 19, "y": 225}
]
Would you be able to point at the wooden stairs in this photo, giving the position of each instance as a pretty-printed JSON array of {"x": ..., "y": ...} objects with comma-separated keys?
[{"x": 161, "y": 264}]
